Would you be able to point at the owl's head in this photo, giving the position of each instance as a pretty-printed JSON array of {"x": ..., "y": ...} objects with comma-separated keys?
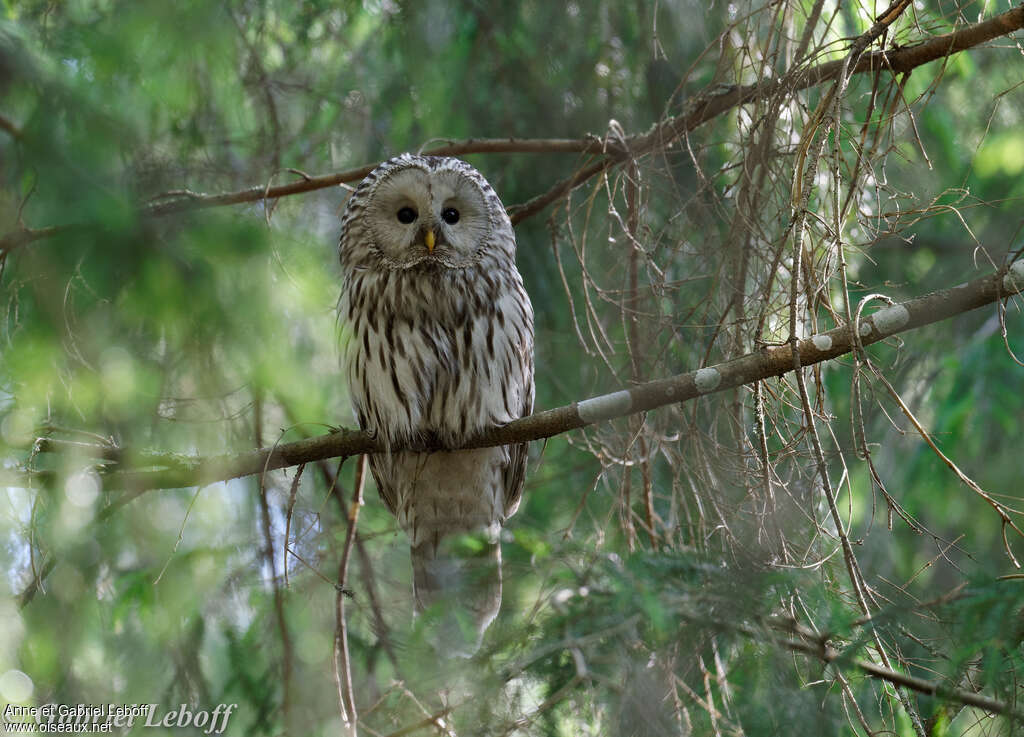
[{"x": 414, "y": 210}]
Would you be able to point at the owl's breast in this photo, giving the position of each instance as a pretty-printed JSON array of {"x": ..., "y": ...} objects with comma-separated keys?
[
  {"x": 445, "y": 353},
  {"x": 435, "y": 494}
]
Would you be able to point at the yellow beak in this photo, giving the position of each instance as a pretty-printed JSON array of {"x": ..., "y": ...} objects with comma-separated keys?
[{"x": 428, "y": 238}]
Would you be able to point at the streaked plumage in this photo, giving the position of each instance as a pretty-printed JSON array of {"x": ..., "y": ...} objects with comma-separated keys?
[{"x": 439, "y": 348}]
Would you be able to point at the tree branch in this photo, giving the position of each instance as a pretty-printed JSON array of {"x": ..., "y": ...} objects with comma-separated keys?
[
  {"x": 830, "y": 655},
  {"x": 8, "y": 125},
  {"x": 818, "y": 645},
  {"x": 752, "y": 367},
  {"x": 700, "y": 108}
]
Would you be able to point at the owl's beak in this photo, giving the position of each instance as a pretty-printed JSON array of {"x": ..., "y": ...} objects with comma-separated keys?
[{"x": 429, "y": 238}]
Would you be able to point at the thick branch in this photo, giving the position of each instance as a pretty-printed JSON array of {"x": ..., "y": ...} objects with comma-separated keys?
[
  {"x": 753, "y": 367},
  {"x": 700, "y": 108}
]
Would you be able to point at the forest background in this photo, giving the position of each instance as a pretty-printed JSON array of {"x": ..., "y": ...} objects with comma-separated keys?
[{"x": 823, "y": 538}]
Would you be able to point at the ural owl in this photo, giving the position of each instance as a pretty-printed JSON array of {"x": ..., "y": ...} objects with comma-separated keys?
[{"x": 440, "y": 348}]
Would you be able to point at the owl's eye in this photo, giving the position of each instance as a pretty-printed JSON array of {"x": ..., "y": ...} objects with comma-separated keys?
[
  {"x": 450, "y": 215},
  {"x": 406, "y": 215}
]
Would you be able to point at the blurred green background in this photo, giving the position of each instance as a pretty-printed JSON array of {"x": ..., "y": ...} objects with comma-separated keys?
[{"x": 647, "y": 564}]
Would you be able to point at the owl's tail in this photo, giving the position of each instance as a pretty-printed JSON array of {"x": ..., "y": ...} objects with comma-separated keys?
[{"x": 461, "y": 583}]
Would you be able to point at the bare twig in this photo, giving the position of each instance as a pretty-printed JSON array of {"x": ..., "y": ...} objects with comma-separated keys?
[
  {"x": 292, "y": 494},
  {"x": 431, "y": 720},
  {"x": 29, "y": 592},
  {"x": 278, "y": 595},
  {"x": 342, "y": 659}
]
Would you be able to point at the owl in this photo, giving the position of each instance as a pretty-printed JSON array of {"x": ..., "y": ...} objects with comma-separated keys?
[{"x": 439, "y": 347}]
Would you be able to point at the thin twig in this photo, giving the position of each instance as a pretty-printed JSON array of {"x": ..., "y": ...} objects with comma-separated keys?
[
  {"x": 268, "y": 542},
  {"x": 292, "y": 494},
  {"x": 342, "y": 659}
]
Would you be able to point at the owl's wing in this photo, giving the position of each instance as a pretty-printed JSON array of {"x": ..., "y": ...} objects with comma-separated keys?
[
  {"x": 383, "y": 468},
  {"x": 515, "y": 475},
  {"x": 515, "y": 472}
]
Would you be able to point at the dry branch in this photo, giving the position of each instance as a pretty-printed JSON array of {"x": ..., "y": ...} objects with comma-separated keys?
[
  {"x": 699, "y": 109},
  {"x": 753, "y": 367}
]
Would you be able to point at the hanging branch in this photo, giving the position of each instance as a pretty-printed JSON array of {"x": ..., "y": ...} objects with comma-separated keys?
[
  {"x": 771, "y": 361},
  {"x": 698, "y": 109}
]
